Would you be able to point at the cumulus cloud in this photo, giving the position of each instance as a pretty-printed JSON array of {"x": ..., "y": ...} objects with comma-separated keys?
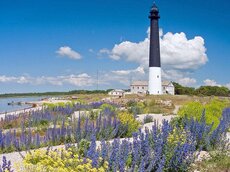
[
  {"x": 4, "y": 78},
  {"x": 104, "y": 51},
  {"x": 179, "y": 55},
  {"x": 181, "y": 77},
  {"x": 139, "y": 70},
  {"x": 22, "y": 80},
  {"x": 187, "y": 81},
  {"x": 68, "y": 52},
  {"x": 228, "y": 85},
  {"x": 209, "y": 82},
  {"x": 177, "y": 51},
  {"x": 79, "y": 80}
]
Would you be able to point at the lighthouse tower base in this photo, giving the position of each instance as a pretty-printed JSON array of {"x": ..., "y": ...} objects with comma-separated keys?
[{"x": 155, "y": 85}]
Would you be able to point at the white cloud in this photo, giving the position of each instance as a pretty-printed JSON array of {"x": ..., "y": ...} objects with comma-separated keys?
[
  {"x": 181, "y": 77},
  {"x": 209, "y": 82},
  {"x": 68, "y": 52},
  {"x": 104, "y": 51},
  {"x": 177, "y": 51},
  {"x": 4, "y": 78},
  {"x": 79, "y": 80},
  {"x": 228, "y": 85},
  {"x": 22, "y": 80},
  {"x": 139, "y": 70},
  {"x": 109, "y": 78},
  {"x": 179, "y": 55},
  {"x": 187, "y": 81}
]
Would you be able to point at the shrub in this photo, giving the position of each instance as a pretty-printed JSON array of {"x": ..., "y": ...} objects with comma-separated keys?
[
  {"x": 61, "y": 160},
  {"x": 153, "y": 107},
  {"x": 191, "y": 109},
  {"x": 213, "y": 110},
  {"x": 105, "y": 106},
  {"x": 169, "y": 147},
  {"x": 129, "y": 120},
  {"x": 136, "y": 107},
  {"x": 148, "y": 119},
  {"x": 83, "y": 146}
]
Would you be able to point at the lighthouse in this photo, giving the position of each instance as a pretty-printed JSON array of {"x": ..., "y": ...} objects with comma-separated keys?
[{"x": 155, "y": 85}]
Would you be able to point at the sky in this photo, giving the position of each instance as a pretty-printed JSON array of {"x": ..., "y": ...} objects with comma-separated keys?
[{"x": 76, "y": 44}]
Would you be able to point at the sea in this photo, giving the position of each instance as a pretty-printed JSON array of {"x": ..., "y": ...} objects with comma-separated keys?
[{"x": 4, "y": 107}]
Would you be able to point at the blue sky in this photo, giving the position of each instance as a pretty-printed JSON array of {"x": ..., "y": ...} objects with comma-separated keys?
[{"x": 60, "y": 45}]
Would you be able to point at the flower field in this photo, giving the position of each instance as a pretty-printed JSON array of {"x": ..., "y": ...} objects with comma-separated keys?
[{"x": 173, "y": 146}]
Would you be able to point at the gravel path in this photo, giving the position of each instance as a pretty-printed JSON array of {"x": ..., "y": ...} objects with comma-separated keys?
[{"x": 177, "y": 107}]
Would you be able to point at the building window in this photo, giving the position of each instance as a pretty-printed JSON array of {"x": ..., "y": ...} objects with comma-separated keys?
[
  {"x": 137, "y": 87},
  {"x": 157, "y": 76},
  {"x": 143, "y": 88},
  {"x": 133, "y": 87}
]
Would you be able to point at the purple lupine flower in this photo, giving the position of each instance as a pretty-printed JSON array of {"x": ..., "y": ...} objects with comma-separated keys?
[
  {"x": 114, "y": 155},
  {"x": 123, "y": 155},
  {"x": 6, "y": 165},
  {"x": 142, "y": 166},
  {"x": 161, "y": 165},
  {"x": 78, "y": 130},
  {"x": 136, "y": 151},
  {"x": 37, "y": 140},
  {"x": 92, "y": 153},
  {"x": 104, "y": 150}
]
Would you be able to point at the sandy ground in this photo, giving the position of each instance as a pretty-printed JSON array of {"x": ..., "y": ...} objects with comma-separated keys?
[{"x": 177, "y": 107}]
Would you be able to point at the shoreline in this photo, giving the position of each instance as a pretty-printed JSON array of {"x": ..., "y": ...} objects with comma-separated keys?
[
  {"x": 39, "y": 106},
  {"x": 20, "y": 111}
]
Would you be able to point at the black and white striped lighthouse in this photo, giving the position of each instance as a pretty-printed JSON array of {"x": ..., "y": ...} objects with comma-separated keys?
[{"x": 155, "y": 85}]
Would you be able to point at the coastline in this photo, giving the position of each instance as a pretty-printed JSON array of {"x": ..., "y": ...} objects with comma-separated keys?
[
  {"x": 38, "y": 106},
  {"x": 20, "y": 111}
]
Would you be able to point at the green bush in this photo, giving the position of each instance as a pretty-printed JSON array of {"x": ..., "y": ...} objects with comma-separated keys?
[
  {"x": 107, "y": 106},
  {"x": 136, "y": 107},
  {"x": 213, "y": 110},
  {"x": 152, "y": 107},
  {"x": 128, "y": 119},
  {"x": 148, "y": 119},
  {"x": 59, "y": 160}
]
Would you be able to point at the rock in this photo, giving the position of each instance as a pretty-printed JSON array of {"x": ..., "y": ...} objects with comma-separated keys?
[{"x": 202, "y": 155}]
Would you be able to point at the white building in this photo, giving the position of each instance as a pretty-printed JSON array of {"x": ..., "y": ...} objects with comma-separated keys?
[
  {"x": 168, "y": 88},
  {"x": 117, "y": 93},
  {"x": 138, "y": 87}
]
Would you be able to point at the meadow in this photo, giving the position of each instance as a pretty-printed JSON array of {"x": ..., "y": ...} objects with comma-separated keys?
[{"x": 101, "y": 136}]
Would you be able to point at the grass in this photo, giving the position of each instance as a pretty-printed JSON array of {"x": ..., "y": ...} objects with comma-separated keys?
[{"x": 219, "y": 162}]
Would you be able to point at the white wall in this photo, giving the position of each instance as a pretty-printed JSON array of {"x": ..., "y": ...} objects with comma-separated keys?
[{"x": 138, "y": 89}]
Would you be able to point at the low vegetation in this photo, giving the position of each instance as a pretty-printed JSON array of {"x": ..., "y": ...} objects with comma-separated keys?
[
  {"x": 62, "y": 160},
  {"x": 107, "y": 137},
  {"x": 73, "y": 92},
  {"x": 202, "y": 91},
  {"x": 213, "y": 110},
  {"x": 218, "y": 162}
]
